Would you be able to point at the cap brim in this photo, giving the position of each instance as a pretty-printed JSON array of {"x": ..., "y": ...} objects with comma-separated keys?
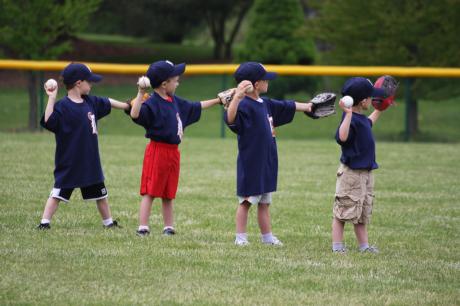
[
  {"x": 270, "y": 76},
  {"x": 378, "y": 93},
  {"x": 94, "y": 78},
  {"x": 178, "y": 70}
]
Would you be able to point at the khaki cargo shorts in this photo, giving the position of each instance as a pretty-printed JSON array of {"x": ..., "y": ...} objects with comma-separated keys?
[{"x": 354, "y": 195}]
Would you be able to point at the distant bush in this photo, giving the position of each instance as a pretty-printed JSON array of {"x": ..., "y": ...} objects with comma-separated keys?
[{"x": 277, "y": 35}]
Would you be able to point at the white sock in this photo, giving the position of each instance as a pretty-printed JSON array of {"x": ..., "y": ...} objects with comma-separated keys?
[
  {"x": 45, "y": 221},
  {"x": 107, "y": 221},
  {"x": 170, "y": 227},
  {"x": 242, "y": 236},
  {"x": 144, "y": 227},
  {"x": 267, "y": 238}
]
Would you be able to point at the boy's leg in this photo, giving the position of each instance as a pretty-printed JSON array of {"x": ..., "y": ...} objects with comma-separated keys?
[
  {"x": 145, "y": 210},
  {"x": 167, "y": 207},
  {"x": 361, "y": 233},
  {"x": 242, "y": 217},
  {"x": 51, "y": 207},
  {"x": 103, "y": 208},
  {"x": 263, "y": 216},
  {"x": 362, "y": 237},
  {"x": 338, "y": 227}
]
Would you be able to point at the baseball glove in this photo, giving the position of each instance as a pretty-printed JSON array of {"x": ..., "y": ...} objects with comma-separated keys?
[
  {"x": 130, "y": 102},
  {"x": 323, "y": 105},
  {"x": 390, "y": 86},
  {"x": 226, "y": 97}
]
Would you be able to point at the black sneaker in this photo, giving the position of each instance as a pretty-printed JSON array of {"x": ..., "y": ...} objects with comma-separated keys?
[
  {"x": 113, "y": 224},
  {"x": 169, "y": 231},
  {"x": 44, "y": 226},
  {"x": 142, "y": 232}
]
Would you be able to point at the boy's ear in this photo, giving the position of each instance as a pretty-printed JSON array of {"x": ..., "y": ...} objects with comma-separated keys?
[{"x": 164, "y": 83}]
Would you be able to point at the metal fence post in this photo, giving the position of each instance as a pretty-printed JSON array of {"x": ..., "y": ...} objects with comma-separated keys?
[
  {"x": 408, "y": 97},
  {"x": 41, "y": 95}
]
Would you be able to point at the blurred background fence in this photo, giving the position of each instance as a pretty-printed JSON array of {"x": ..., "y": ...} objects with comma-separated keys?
[{"x": 218, "y": 77}]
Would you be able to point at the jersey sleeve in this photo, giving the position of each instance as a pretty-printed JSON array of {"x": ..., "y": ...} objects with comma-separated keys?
[
  {"x": 241, "y": 120},
  {"x": 102, "y": 107},
  {"x": 190, "y": 112},
  {"x": 53, "y": 122},
  {"x": 146, "y": 116},
  {"x": 282, "y": 111}
]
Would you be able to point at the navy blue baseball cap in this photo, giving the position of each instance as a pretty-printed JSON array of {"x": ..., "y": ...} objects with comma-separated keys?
[
  {"x": 361, "y": 88},
  {"x": 160, "y": 71},
  {"x": 78, "y": 72},
  {"x": 253, "y": 71}
]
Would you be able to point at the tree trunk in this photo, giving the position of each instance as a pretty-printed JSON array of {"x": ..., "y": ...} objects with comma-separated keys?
[{"x": 33, "y": 103}]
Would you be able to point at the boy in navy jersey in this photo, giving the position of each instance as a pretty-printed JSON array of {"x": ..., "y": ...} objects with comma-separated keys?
[
  {"x": 355, "y": 182},
  {"x": 73, "y": 120},
  {"x": 254, "y": 120},
  {"x": 164, "y": 117}
]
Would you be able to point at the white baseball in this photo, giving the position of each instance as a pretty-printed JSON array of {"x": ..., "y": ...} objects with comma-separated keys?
[
  {"x": 347, "y": 101},
  {"x": 143, "y": 82},
  {"x": 250, "y": 89},
  {"x": 51, "y": 84}
]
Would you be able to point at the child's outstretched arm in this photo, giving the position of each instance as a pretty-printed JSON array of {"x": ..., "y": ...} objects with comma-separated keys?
[
  {"x": 344, "y": 128},
  {"x": 209, "y": 103},
  {"x": 51, "y": 90},
  {"x": 241, "y": 90},
  {"x": 303, "y": 107},
  {"x": 118, "y": 105},
  {"x": 374, "y": 116}
]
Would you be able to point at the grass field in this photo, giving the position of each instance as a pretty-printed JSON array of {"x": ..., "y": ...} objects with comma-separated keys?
[{"x": 415, "y": 225}]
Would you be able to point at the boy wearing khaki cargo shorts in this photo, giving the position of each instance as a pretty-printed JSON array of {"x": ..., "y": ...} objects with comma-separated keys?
[{"x": 355, "y": 182}]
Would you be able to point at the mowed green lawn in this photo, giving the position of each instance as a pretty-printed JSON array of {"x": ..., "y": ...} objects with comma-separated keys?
[{"x": 415, "y": 225}]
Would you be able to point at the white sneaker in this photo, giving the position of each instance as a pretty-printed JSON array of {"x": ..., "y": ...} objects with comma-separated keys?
[
  {"x": 274, "y": 241},
  {"x": 241, "y": 242}
]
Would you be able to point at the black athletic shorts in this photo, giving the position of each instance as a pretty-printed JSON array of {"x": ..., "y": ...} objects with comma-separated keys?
[{"x": 93, "y": 192}]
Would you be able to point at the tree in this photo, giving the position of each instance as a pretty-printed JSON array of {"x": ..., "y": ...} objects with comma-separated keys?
[
  {"x": 172, "y": 21},
  {"x": 277, "y": 35},
  {"x": 158, "y": 20},
  {"x": 224, "y": 17},
  {"x": 40, "y": 30},
  {"x": 392, "y": 33}
]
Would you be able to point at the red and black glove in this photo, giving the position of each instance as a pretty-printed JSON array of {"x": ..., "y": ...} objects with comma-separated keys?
[{"x": 390, "y": 86}]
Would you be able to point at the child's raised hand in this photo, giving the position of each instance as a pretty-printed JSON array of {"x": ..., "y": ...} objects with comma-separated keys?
[
  {"x": 243, "y": 88},
  {"x": 345, "y": 106},
  {"x": 51, "y": 88},
  {"x": 143, "y": 83}
]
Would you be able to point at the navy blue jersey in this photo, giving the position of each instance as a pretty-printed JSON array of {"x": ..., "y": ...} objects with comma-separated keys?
[
  {"x": 257, "y": 165},
  {"x": 358, "y": 152},
  {"x": 165, "y": 121},
  {"x": 74, "y": 125}
]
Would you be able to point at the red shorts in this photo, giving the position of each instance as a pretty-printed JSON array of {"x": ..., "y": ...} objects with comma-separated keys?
[{"x": 160, "y": 170}]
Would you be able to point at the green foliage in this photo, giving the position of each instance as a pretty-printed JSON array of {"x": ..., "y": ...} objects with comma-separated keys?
[
  {"x": 166, "y": 21},
  {"x": 277, "y": 35},
  {"x": 391, "y": 33},
  {"x": 41, "y": 29},
  {"x": 77, "y": 262}
]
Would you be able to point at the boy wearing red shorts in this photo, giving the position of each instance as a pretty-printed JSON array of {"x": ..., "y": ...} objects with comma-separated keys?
[{"x": 164, "y": 117}]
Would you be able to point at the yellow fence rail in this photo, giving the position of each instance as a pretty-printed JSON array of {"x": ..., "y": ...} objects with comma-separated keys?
[{"x": 139, "y": 69}]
